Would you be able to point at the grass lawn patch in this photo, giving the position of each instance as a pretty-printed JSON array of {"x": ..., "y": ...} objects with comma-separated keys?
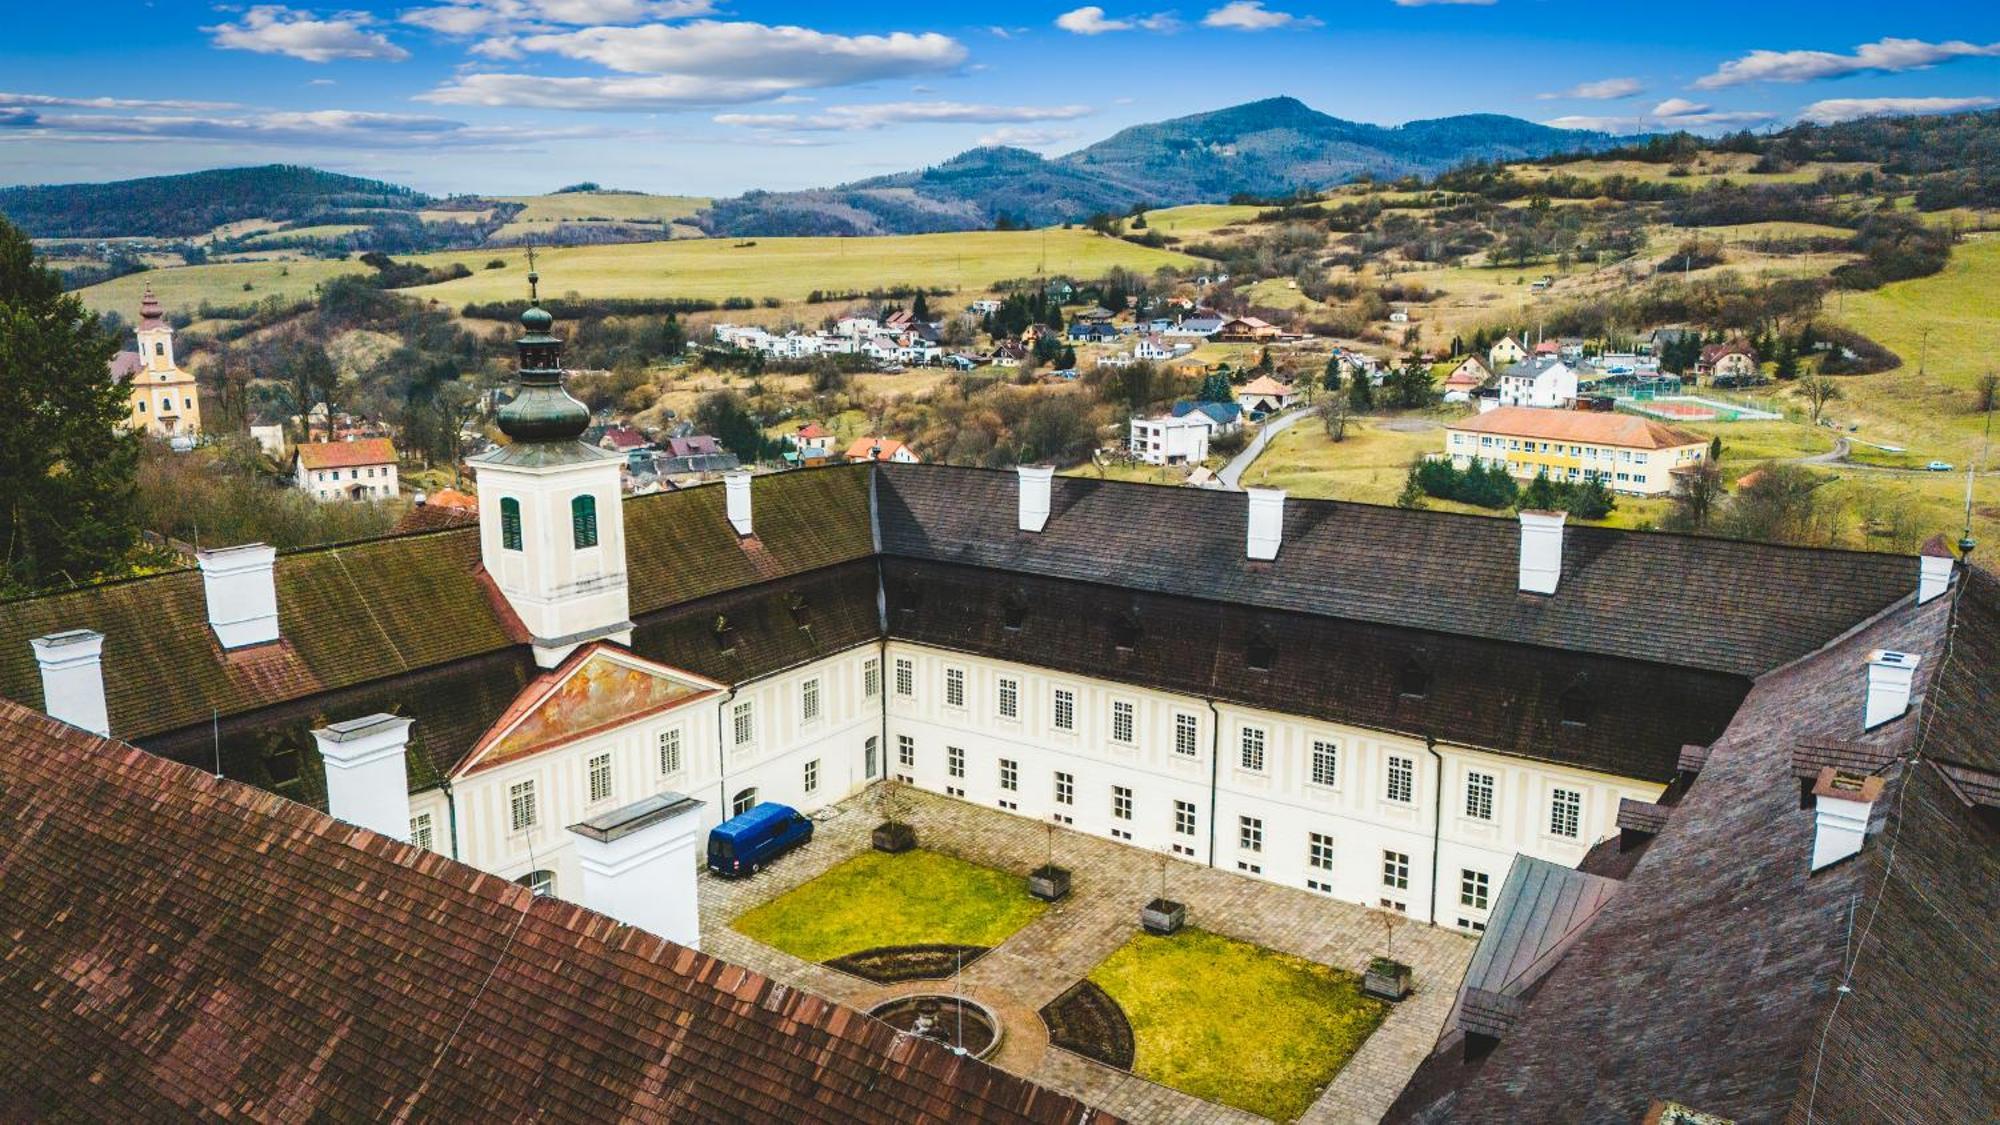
[
  {"x": 1235, "y": 1023},
  {"x": 876, "y": 899}
]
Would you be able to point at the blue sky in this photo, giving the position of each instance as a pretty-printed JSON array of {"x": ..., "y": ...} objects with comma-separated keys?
[{"x": 709, "y": 97}]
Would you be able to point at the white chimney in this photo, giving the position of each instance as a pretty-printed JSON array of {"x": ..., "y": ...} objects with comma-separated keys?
[
  {"x": 639, "y": 865},
  {"x": 736, "y": 495},
  {"x": 1889, "y": 677},
  {"x": 1841, "y": 802},
  {"x": 242, "y": 590},
  {"x": 1933, "y": 574},
  {"x": 73, "y": 678},
  {"x": 1541, "y": 551},
  {"x": 1035, "y": 495},
  {"x": 365, "y": 780},
  {"x": 1267, "y": 522}
]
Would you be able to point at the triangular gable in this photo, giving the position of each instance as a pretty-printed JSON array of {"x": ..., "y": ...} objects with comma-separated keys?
[{"x": 599, "y": 687}]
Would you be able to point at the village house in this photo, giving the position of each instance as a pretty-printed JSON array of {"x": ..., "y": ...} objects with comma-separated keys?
[
  {"x": 1625, "y": 452},
  {"x": 1227, "y": 416},
  {"x": 1157, "y": 349},
  {"x": 1247, "y": 330},
  {"x": 1195, "y": 327},
  {"x": 886, "y": 449},
  {"x": 362, "y": 469},
  {"x": 1548, "y": 383},
  {"x": 164, "y": 400},
  {"x": 1505, "y": 353},
  {"x": 622, "y": 437},
  {"x": 1733, "y": 360},
  {"x": 1171, "y": 439},
  {"x": 1265, "y": 395},
  {"x": 1464, "y": 379}
]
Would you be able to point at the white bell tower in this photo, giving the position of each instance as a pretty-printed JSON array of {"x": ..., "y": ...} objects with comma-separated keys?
[{"x": 551, "y": 524}]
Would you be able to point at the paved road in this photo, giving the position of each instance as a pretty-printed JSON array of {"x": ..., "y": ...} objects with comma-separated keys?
[{"x": 1272, "y": 427}]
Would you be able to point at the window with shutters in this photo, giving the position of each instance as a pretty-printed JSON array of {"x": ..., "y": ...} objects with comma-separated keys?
[
  {"x": 1325, "y": 764},
  {"x": 1253, "y": 749},
  {"x": 1186, "y": 728},
  {"x": 521, "y": 804},
  {"x": 670, "y": 752},
  {"x": 600, "y": 778},
  {"x": 510, "y": 523},
  {"x": 583, "y": 521}
]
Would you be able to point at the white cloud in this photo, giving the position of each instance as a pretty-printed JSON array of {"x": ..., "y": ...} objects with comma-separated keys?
[
  {"x": 705, "y": 63},
  {"x": 501, "y": 17},
  {"x": 51, "y": 100},
  {"x": 1832, "y": 110},
  {"x": 1678, "y": 107},
  {"x": 1884, "y": 56},
  {"x": 850, "y": 118},
  {"x": 327, "y": 128},
  {"x": 277, "y": 30},
  {"x": 1693, "y": 117},
  {"x": 1015, "y": 136},
  {"x": 1252, "y": 15},
  {"x": 1090, "y": 21},
  {"x": 1606, "y": 89}
]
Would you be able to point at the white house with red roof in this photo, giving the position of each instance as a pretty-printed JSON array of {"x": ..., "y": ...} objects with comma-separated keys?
[{"x": 362, "y": 469}]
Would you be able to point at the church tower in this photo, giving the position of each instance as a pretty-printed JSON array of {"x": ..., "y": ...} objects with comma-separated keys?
[
  {"x": 551, "y": 525},
  {"x": 163, "y": 397}
]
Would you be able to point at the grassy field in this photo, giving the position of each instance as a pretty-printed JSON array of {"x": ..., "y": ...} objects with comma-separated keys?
[
  {"x": 222, "y": 283},
  {"x": 323, "y": 230},
  {"x": 1234, "y": 1023},
  {"x": 789, "y": 268},
  {"x": 1707, "y": 169},
  {"x": 1198, "y": 218},
  {"x": 877, "y": 899},
  {"x": 630, "y": 206}
]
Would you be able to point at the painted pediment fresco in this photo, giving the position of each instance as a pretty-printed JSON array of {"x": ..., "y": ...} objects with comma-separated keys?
[{"x": 596, "y": 690}]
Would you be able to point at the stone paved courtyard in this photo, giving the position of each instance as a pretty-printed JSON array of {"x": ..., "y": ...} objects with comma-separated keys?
[{"x": 1110, "y": 882}]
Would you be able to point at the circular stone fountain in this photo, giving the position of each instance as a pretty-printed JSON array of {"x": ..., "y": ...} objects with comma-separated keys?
[{"x": 955, "y": 1021}]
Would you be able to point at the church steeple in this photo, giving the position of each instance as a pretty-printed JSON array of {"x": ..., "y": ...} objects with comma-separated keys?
[{"x": 543, "y": 411}]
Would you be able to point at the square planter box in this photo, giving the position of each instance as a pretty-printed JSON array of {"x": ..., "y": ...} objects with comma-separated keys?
[
  {"x": 894, "y": 838},
  {"x": 1048, "y": 882},
  {"x": 1388, "y": 980},
  {"x": 1163, "y": 916}
]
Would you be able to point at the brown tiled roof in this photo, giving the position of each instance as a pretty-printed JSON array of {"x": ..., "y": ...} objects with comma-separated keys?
[
  {"x": 126, "y": 364},
  {"x": 347, "y": 454},
  {"x": 1968, "y": 684},
  {"x": 1688, "y": 601},
  {"x": 180, "y": 947},
  {"x": 1585, "y": 426},
  {"x": 1711, "y": 978},
  {"x": 431, "y": 517}
]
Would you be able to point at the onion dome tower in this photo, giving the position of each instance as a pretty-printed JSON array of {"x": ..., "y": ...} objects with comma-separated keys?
[{"x": 551, "y": 524}]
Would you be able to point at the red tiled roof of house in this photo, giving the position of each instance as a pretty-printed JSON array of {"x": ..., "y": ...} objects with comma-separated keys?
[
  {"x": 347, "y": 454},
  {"x": 126, "y": 364},
  {"x": 179, "y": 945},
  {"x": 453, "y": 498},
  {"x": 1627, "y": 430},
  {"x": 813, "y": 430},
  {"x": 1264, "y": 385},
  {"x": 874, "y": 448}
]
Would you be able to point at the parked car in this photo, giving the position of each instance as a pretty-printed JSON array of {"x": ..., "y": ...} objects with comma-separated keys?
[
  {"x": 1939, "y": 466},
  {"x": 743, "y": 844}
]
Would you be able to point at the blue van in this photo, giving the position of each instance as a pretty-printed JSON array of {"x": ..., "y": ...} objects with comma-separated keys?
[{"x": 742, "y": 845}]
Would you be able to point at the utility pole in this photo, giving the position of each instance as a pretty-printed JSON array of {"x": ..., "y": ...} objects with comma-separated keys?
[{"x": 1924, "y": 355}]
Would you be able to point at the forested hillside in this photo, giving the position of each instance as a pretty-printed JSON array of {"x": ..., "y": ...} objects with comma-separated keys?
[{"x": 192, "y": 204}]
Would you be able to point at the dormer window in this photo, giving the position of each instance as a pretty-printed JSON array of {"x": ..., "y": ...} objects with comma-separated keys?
[
  {"x": 1015, "y": 608},
  {"x": 798, "y": 606},
  {"x": 583, "y": 521},
  {"x": 281, "y": 764},
  {"x": 909, "y": 596},
  {"x": 1262, "y": 652},
  {"x": 1125, "y": 629},
  {"x": 1413, "y": 680},
  {"x": 1577, "y": 705},
  {"x": 724, "y": 633}
]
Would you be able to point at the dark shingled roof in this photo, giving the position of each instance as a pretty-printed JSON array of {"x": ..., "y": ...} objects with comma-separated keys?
[
  {"x": 179, "y": 946},
  {"x": 1715, "y": 604},
  {"x": 1710, "y": 979},
  {"x": 1480, "y": 693}
]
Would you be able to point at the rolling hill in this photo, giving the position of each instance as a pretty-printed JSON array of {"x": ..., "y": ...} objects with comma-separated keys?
[
  {"x": 195, "y": 203},
  {"x": 1264, "y": 148}
]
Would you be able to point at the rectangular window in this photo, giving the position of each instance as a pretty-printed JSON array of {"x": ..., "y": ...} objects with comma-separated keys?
[
  {"x": 954, "y": 687},
  {"x": 1253, "y": 748},
  {"x": 583, "y": 521},
  {"x": 1396, "y": 870},
  {"x": 1121, "y": 803},
  {"x": 1319, "y": 851},
  {"x": 954, "y": 761},
  {"x": 600, "y": 778},
  {"x": 1473, "y": 888},
  {"x": 1479, "y": 795},
  {"x": 1250, "y": 833},
  {"x": 1065, "y": 709},
  {"x": 871, "y": 678},
  {"x": 1121, "y": 721},
  {"x": 745, "y": 723},
  {"x": 812, "y": 776},
  {"x": 1402, "y": 779},
  {"x": 906, "y": 751},
  {"x": 521, "y": 803},
  {"x": 906, "y": 678},
  {"x": 1565, "y": 812},
  {"x": 1325, "y": 764},
  {"x": 510, "y": 522},
  {"x": 1010, "y": 774},
  {"x": 670, "y": 751},
  {"x": 1065, "y": 789},
  {"x": 420, "y": 832},
  {"x": 1183, "y": 818},
  {"x": 809, "y": 701},
  {"x": 1010, "y": 698},
  {"x": 1186, "y": 728}
]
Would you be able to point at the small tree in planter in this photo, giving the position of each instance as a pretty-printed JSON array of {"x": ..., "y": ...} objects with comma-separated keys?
[
  {"x": 895, "y": 833},
  {"x": 1387, "y": 977},
  {"x": 1163, "y": 915},
  {"x": 1049, "y": 882}
]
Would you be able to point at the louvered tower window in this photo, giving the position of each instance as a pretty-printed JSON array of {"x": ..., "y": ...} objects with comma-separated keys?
[
  {"x": 583, "y": 521},
  {"x": 510, "y": 523}
]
